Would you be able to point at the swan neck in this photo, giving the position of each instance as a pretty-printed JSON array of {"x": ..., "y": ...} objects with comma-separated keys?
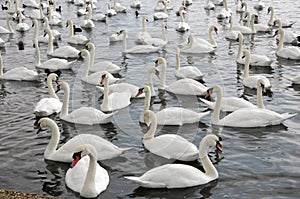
[
  {"x": 209, "y": 168},
  {"x": 144, "y": 25},
  {"x": 71, "y": 34},
  {"x": 147, "y": 101},
  {"x": 181, "y": 16},
  {"x": 37, "y": 52},
  {"x": 164, "y": 33},
  {"x": 162, "y": 82},
  {"x": 9, "y": 26},
  {"x": 211, "y": 38},
  {"x": 271, "y": 16},
  {"x": 247, "y": 64},
  {"x": 239, "y": 55},
  {"x": 124, "y": 44},
  {"x": 50, "y": 44},
  {"x": 225, "y": 5},
  {"x": 1, "y": 66},
  {"x": 280, "y": 44},
  {"x": 89, "y": 182},
  {"x": 55, "y": 135},
  {"x": 92, "y": 56},
  {"x": 217, "y": 109},
  {"x": 51, "y": 89},
  {"x": 150, "y": 82},
  {"x": 105, "y": 93},
  {"x": 65, "y": 107},
  {"x": 177, "y": 60},
  {"x": 260, "y": 102},
  {"x": 151, "y": 132},
  {"x": 87, "y": 66}
]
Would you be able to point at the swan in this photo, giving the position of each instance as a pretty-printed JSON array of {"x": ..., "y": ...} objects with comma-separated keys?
[
  {"x": 161, "y": 14},
  {"x": 55, "y": 11},
  {"x": 53, "y": 63},
  {"x": 232, "y": 34},
  {"x": 61, "y": 52},
  {"x": 133, "y": 89},
  {"x": 18, "y": 74},
  {"x": 95, "y": 17},
  {"x": 83, "y": 115},
  {"x": 183, "y": 86},
  {"x": 251, "y": 81},
  {"x": 245, "y": 117},
  {"x": 41, "y": 38},
  {"x": 230, "y": 104},
  {"x": 248, "y": 28},
  {"x": 9, "y": 29},
  {"x": 211, "y": 43},
  {"x": 10, "y": 10},
  {"x": 88, "y": 23},
  {"x": 118, "y": 7},
  {"x": 103, "y": 65},
  {"x": 49, "y": 105},
  {"x": 256, "y": 59},
  {"x": 116, "y": 36},
  {"x": 110, "y": 11},
  {"x": 209, "y": 5},
  {"x": 159, "y": 6},
  {"x": 225, "y": 12},
  {"x": 105, "y": 149},
  {"x": 158, "y": 41},
  {"x": 37, "y": 13},
  {"x": 289, "y": 36},
  {"x": 75, "y": 39},
  {"x": 182, "y": 175},
  {"x": 140, "y": 49},
  {"x": 187, "y": 2},
  {"x": 21, "y": 26},
  {"x": 94, "y": 78},
  {"x": 86, "y": 176},
  {"x": 136, "y": 4},
  {"x": 54, "y": 21},
  {"x": 194, "y": 47},
  {"x": 182, "y": 26},
  {"x": 284, "y": 22},
  {"x": 290, "y": 52},
  {"x": 115, "y": 100},
  {"x": 191, "y": 72},
  {"x": 259, "y": 5},
  {"x": 260, "y": 28},
  {"x": 170, "y": 116},
  {"x": 141, "y": 36},
  {"x": 163, "y": 145},
  {"x": 55, "y": 33}
]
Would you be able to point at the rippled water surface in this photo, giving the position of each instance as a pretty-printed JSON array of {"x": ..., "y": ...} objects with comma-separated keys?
[{"x": 255, "y": 163}]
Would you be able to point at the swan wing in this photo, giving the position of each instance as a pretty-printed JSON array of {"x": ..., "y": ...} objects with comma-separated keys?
[
  {"x": 187, "y": 87},
  {"x": 65, "y": 52},
  {"x": 21, "y": 74},
  {"x": 47, "y": 106}
]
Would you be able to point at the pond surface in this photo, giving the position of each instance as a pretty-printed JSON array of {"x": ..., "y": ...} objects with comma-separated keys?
[{"x": 255, "y": 163}]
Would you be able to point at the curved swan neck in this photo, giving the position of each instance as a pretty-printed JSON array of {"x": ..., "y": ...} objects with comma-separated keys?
[
  {"x": 260, "y": 102},
  {"x": 211, "y": 38},
  {"x": 153, "y": 126},
  {"x": 217, "y": 109},
  {"x": 1, "y": 65},
  {"x": 281, "y": 36},
  {"x": 147, "y": 102},
  {"x": 65, "y": 107},
  {"x": 149, "y": 80},
  {"x": 89, "y": 182},
  {"x": 54, "y": 140},
  {"x": 177, "y": 59},
  {"x": 247, "y": 63},
  {"x": 272, "y": 15},
  {"x": 88, "y": 63},
  {"x": 209, "y": 168},
  {"x": 50, "y": 87},
  {"x": 181, "y": 16}
]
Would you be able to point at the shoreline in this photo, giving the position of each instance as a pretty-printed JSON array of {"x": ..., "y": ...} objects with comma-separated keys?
[{"x": 9, "y": 194}]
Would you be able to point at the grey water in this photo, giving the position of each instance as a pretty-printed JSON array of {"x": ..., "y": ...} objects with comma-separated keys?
[{"x": 255, "y": 163}]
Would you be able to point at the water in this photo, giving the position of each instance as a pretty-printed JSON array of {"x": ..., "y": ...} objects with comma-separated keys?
[{"x": 256, "y": 162}]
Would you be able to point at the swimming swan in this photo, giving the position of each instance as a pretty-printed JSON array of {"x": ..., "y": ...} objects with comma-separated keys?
[{"x": 290, "y": 52}]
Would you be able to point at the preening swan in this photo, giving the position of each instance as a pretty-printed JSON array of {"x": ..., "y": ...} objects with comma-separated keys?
[
  {"x": 53, "y": 63},
  {"x": 105, "y": 149},
  {"x": 290, "y": 52},
  {"x": 115, "y": 100},
  {"x": 86, "y": 176},
  {"x": 83, "y": 115},
  {"x": 133, "y": 89},
  {"x": 75, "y": 39},
  {"x": 285, "y": 23},
  {"x": 110, "y": 11},
  {"x": 94, "y": 78},
  {"x": 163, "y": 145},
  {"x": 49, "y": 105},
  {"x": 251, "y": 81},
  {"x": 172, "y": 115},
  {"x": 18, "y": 74},
  {"x": 182, "y": 26},
  {"x": 182, "y": 175},
  {"x": 183, "y": 86},
  {"x": 103, "y": 65},
  {"x": 61, "y": 52},
  {"x": 256, "y": 59},
  {"x": 245, "y": 117},
  {"x": 191, "y": 72},
  {"x": 139, "y": 49}
]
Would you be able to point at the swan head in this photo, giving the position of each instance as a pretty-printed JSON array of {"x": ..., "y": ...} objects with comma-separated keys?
[
  {"x": 214, "y": 89},
  {"x": 104, "y": 78},
  {"x": 69, "y": 22},
  {"x": 265, "y": 90},
  {"x": 62, "y": 86},
  {"x": 82, "y": 53},
  {"x": 53, "y": 77},
  {"x": 211, "y": 140},
  {"x": 277, "y": 22},
  {"x": 214, "y": 28},
  {"x": 240, "y": 37},
  {"x": 246, "y": 54},
  {"x": 145, "y": 18},
  {"x": 81, "y": 151},
  {"x": 160, "y": 60},
  {"x": 43, "y": 123},
  {"x": 89, "y": 46},
  {"x": 270, "y": 9}
]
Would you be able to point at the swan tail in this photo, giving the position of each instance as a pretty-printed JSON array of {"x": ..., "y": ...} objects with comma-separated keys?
[
  {"x": 144, "y": 183},
  {"x": 208, "y": 103},
  {"x": 72, "y": 62},
  {"x": 286, "y": 116},
  {"x": 121, "y": 80},
  {"x": 123, "y": 150},
  {"x": 201, "y": 115}
]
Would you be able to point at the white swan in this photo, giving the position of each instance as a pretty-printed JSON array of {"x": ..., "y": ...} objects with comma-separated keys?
[
  {"x": 118, "y": 7},
  {"x": 53, "y": 63},
  {"x": 161, "y": 14},
  {"x": 88, "y": 22},
  {"x": 159, "y": 6},
  {"x": 259, "y": 5},
  {"x": 37, "y": 13},
  {"x": 194, "y": 47},
  {"x": 141, "y": 36},
  {"x": 113, "y": 101},
  {"x": 136, "y": 4},
  {"x": 191, "y": 72},
  {"x": 83, "y": 115},
  {"x": 21, "y": 26},
  {"x": 49, "y": 105},
  {"x": 75, "y": 39},
  {"x": 54, "y": 21},
  {"x": 86, "y": 176},
  {"x": 61, "y": 52},
  {"x": 133, "y": 89},
  {"x": 290, "y": 52},
  {"x": 55, "y": 33},
  {"x": 246, "y": 117},
  {"x": 232, "y": 34},
  {"x": 225, "y": 12},
  {"x": 116, "y": 36},
  {"x": 289, "y": 36},
  {"x": 94, "y": 78},
  {"x": 9, "y": 29},
  {"x": 209, "y": 5},
  {"x": 36, "y": 36},
  {"x": 95, "y": 17},
  {"x": 102, "y": 65},
  {"x": 285, "y": 23},
  {"x": 158, "y": 41},
  {"x": 251, "y": 81},
  {"x": 18, "y": 74},
  {"x": 256, "y": 59},
  {"x": 139, "y": 49},
  {"x": 260, "y": 28},
  {"x": 110, "y": 11},
  {"x": 173, "y": 115},
  {"x": 182, "y": 26},
  {"x": 248, "y": 28},
  {"x": 105, "y": 149},
  {"x": 183, "y": 86},
  {"x": 182, "y": 175},
  {"x": 163, "y": 145}
]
